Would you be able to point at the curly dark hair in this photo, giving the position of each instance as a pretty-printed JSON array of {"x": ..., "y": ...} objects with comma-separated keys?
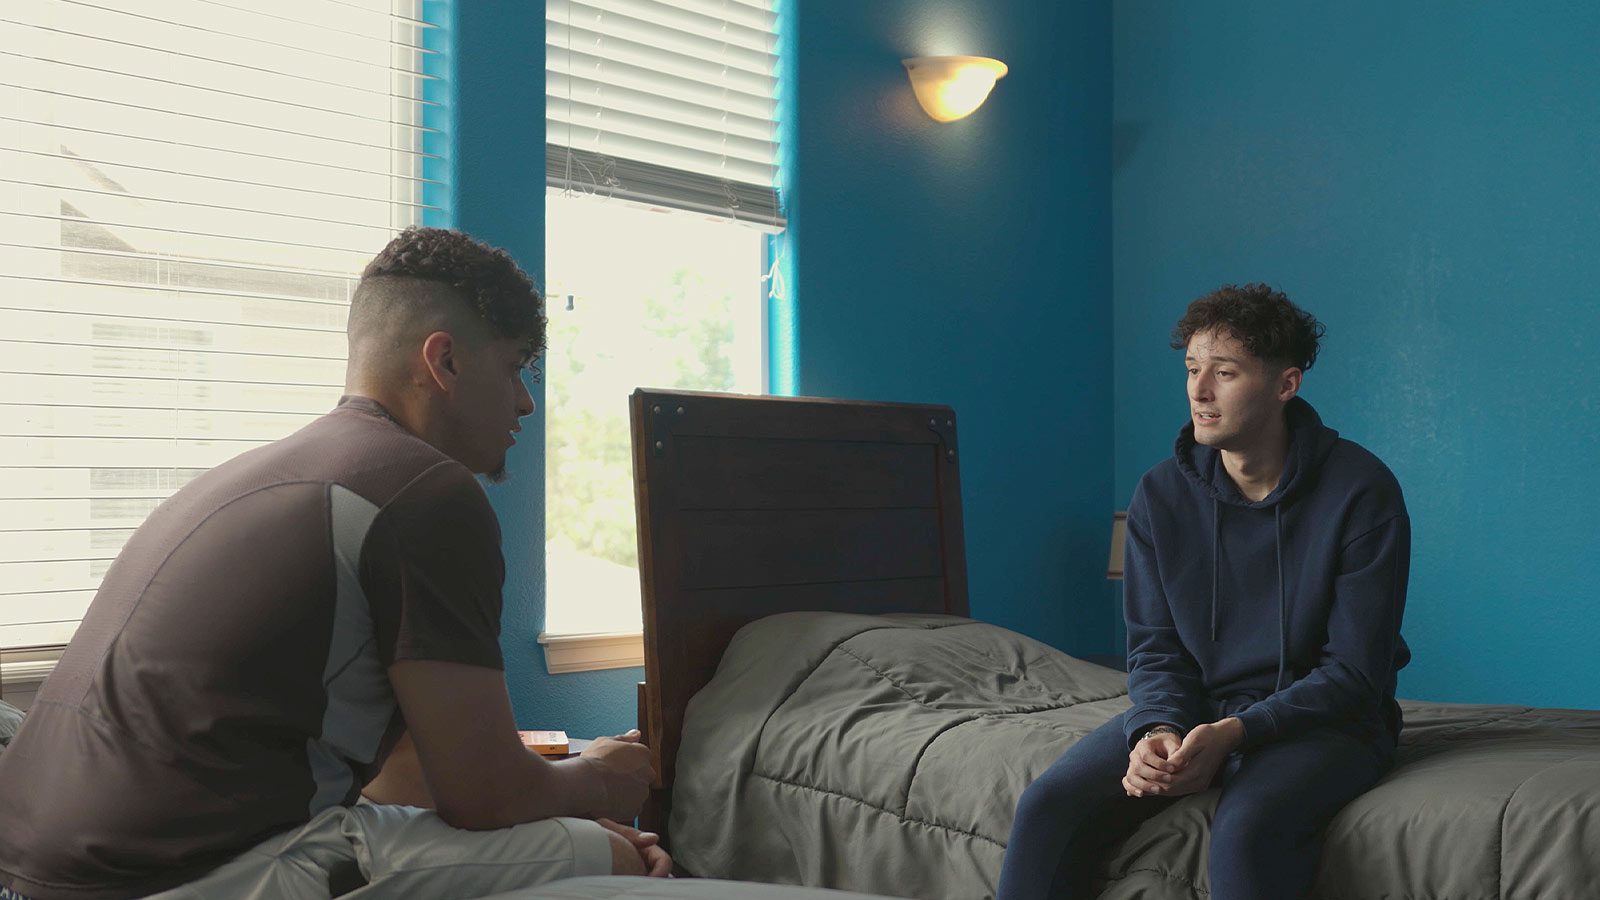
[
  {"x": 1271, "y": 328},
  {"x": 486, "y": 278}
]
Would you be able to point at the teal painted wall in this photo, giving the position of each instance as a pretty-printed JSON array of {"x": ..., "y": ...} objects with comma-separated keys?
[
  {"x": 496, "y": 176},
  {"x": 1423, "y": 177},
  {"x": 969, "y": 263}
]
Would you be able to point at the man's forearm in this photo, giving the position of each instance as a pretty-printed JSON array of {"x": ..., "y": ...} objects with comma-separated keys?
[
  {"x": 576, "y": 789},
  {"x": 541, "y": 790},
  {"x": 544, "y": 790},
  {"x": 547, "y": 789},
  {"x": 478, "y": 773}
]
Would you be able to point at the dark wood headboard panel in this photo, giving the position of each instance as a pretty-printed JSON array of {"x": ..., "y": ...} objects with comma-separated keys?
[{"x": 749, "y": 506}]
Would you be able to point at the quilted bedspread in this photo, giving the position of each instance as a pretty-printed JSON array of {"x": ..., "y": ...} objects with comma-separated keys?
[{"x": 886, "y": 755}]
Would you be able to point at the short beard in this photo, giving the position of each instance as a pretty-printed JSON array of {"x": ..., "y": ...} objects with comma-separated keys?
[{"x": 498, "y": 476}]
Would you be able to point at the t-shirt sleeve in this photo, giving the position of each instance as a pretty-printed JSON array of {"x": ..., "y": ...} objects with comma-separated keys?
[{"x": 432, "y": 571}]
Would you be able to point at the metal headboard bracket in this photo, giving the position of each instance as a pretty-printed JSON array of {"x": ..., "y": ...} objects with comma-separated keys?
[
  {"x": 945, "y": 427},
  {"x": 662, "y": 420}
]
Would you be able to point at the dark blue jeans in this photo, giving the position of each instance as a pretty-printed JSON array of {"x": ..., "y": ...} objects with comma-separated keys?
[{"x": 1265, "y": 835}]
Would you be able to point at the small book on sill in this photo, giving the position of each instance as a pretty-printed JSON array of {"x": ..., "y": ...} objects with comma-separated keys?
[{"x": 546, "y": 743}]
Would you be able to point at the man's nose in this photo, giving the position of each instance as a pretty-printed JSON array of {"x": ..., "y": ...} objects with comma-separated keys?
[{"x": 525, "y": 404}]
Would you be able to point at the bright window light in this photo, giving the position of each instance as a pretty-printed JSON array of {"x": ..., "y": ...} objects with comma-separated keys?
[
  {"x": 188, "y": 189},
  {"x": 638, "y": 297}
]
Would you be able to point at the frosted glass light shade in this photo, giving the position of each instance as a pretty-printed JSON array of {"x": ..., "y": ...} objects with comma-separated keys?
[{"x": 951, "y": 87}]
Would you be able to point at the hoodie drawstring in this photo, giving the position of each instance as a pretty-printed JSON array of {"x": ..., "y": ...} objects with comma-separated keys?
[
  {"x": 1216, "y": 554},
  {"x": 1283, "y": 600},
  {"x": 1283, "y": 596}
]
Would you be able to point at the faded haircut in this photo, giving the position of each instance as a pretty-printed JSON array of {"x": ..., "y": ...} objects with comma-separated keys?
[{"x": 399, "y": 293}]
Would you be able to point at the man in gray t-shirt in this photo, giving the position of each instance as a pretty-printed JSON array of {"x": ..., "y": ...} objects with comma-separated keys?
[{"x": 316, "y": 620}]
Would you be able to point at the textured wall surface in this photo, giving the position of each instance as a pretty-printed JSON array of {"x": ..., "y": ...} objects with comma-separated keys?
[
  {"x": 968, "y": 263},
  {"x": 1423, "y": 177}
]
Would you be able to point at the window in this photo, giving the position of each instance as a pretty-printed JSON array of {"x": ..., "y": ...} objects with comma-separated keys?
[
  {"x": 637, "y": 297},
  {"x": 188, "y": 189},
  {"x": 661, "y": 124}
]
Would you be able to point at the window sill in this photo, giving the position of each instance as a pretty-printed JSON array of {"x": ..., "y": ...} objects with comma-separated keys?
[
  {"x": 23, "y": 671},
  {"x": 591, "y": 652}
]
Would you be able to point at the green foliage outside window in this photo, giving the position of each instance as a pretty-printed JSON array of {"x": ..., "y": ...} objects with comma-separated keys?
[{"x": 678, "y": 336}]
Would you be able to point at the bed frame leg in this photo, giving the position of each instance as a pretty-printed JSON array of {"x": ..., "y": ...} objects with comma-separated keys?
[{"x": 657, "y": 807}]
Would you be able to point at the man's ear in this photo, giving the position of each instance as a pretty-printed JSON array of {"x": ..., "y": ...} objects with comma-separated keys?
[
  {"x": 439, "y": 360},
  {"x": 1289, "y": 383}
]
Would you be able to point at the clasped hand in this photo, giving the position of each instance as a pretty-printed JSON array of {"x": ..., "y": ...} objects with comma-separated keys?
[
  {"x": 623, "y": 766},
  {"x": 653, "y": 861},
  {"x": 1163, "y": 766}
]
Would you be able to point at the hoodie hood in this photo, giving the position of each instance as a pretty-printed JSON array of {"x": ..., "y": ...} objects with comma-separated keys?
[{"x": 1310, "y": 443}]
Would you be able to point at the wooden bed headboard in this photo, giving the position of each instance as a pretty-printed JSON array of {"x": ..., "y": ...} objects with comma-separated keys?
[{"x": 751, "y": 505}]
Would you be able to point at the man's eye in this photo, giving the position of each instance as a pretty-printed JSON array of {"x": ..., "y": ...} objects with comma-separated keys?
[{"x": 1225, "y": 374}]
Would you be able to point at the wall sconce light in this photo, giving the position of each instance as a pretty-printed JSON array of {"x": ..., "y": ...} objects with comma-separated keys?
[{"x": 951, "y": 87}]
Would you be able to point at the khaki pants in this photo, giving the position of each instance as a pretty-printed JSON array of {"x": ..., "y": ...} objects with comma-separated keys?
[{"x": 402, "y": 851}]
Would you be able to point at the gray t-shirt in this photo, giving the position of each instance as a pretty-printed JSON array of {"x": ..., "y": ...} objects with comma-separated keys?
[{"x": 229, "y": 681}]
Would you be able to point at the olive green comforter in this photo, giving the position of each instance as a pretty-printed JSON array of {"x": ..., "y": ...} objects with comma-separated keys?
[{"x": 886, "y": 754}]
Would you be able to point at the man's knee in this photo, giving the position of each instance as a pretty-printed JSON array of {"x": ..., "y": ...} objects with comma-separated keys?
[
  {"x": 1088, "y": 775},
  {"x": 1240, "y": 823},
  {"x": 1047, "y": 799},
  {"x": 625, "y": 858},
  {"x": 1245, "y": 833},
  {"x": 1260, "y": 856}
]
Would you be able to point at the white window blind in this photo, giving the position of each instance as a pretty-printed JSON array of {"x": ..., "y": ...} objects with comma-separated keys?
[
  {"x": 665, "y": 101},
  {"x": 188, "y": 190}
]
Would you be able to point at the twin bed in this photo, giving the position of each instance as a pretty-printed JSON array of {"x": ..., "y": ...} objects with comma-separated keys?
[{"x": 825, "y": 714}]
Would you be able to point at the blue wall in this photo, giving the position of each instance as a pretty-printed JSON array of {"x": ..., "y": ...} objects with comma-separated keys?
[
  {"x": 497, "y": 180},
  {"x": 969, "y": 263},
  {"x": 1424, "y": 178}
]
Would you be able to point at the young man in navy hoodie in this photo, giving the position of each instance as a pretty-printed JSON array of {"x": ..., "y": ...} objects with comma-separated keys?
[{"x": 1267, "y": 562}]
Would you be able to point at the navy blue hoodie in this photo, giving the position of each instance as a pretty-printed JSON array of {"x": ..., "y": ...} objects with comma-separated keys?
[{"x": 1285, "y": 611}]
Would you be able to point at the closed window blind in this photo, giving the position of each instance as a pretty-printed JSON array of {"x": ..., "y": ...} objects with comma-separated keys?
[
  {"x": 672, "y": 103},
  {"x": 188, "y": 190}
]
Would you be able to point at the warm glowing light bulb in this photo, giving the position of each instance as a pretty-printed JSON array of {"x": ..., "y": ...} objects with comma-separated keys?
[{"x": 951, "y": 87}]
